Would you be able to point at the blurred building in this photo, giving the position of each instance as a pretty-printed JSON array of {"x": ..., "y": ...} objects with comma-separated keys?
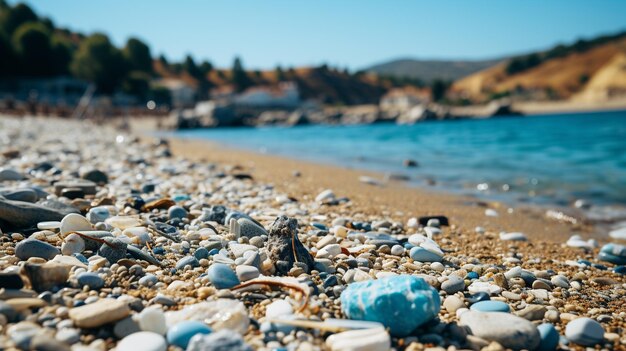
[{"x": 182, "y": 93}]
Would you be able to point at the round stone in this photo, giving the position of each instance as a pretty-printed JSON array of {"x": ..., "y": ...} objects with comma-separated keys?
[
  {"x": 420, "y": 254},
  {"x": 92, "y": 280},
  {"x": 453, "y": 284},
  {"x": 177, "y": 212},
  {"x": 74, "y": 222},
  {"x": 148, "y": 280},
  {"x": 245, "y": 272},
  {"x": 187, "y": 261},
  {"x": 508, "y": 330},
  {"x": 222, "y": 276},
  {"x": 28, "y": 248},
  {"x": 180, "y": 334},
  {"x": 146, "y": 341},
  {"x": 490, "y": 306},
  {"x": 152, "y": 319},
  {"x": 549, "y": 337},
  {"x": 278, "y": 308},
  {"x": 584, "y": 331}
]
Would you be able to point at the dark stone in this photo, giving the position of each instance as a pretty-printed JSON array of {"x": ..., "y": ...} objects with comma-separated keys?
[
  {"x": 19, "y": 214},
  {"x": 8, "y": 311},
  {"x": 25, "y": 195},
  {"x": 282, "y": 240},
  {"x": 96, "y": 176},
  {"x": 479, "y": 296},
  {"x": 443, "y": 220},
  {"x": 88, "y": 187},
  {"x": 73, "y": 193},
  {"x": 11, "y": 281}
]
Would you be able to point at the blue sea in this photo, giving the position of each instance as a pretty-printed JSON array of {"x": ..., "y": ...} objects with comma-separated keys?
[{"x": 542, "y": 159}]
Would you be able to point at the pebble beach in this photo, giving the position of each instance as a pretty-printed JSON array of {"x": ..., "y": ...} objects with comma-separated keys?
[{"x": 120, "y": 240}]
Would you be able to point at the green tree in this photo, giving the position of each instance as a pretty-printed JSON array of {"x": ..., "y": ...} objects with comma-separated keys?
[
  {"x": 240, "y": 78},
  {"x": 8, "y": 61},
  {"x": 190, "y": 67},
  {"x": 12, "y": 18},
  {"x": 280, "y": 74},
  {"x": 63, "y": 50},
  {"x": 438, "y": 89},
  {"x": 98, "y": 61},
  {"x": 33, "y": 46},
  {"x": 137, "y": 53},
  {"x": 137, "y": 83},
  {"x": 206, "y": 67}
]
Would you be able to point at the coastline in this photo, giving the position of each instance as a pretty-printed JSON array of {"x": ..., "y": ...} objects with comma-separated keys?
[{"x": 395, "y": 200}]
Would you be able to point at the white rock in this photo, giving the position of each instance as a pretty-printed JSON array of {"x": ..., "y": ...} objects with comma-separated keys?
[
  {"x": 491, "y": 213},
  {"x": 332, "y": 249},
  {"x": 245, "y": 272},
  {"x": 152, "y": 319},
  {"x": 239, "y": 249},
  {"x": 479, "y": 230},
  {"x": 514, "y": 236},
  {"x": 74, "y": 222},
  {"x": 326, "y": 240},
  {"x": 324, "y": 196},
  {"x": 360, "y": 340},
  {"x": 577, "y": 241},
  {"x": 413, "y": 223},
  {"x": 508, "y": 330},
  {"x": 123, "y": 222},
  {"x": 138, "y": 235},
  {"x": 489, "y": 288},
  {"x": 618, "y": 233},
  {"x": 278, "y": 308},
  {"x": 72, "y": 244},
  {"x": 144, "y": 341},
  {"x": 50, "y": 225}
]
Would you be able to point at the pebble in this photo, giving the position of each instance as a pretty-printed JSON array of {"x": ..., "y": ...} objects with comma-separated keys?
[
  {"x": 144, "y": 341},
  {"x": 152, "y": 319},
  {"x": 35, "y": 248},
  {"x": 490, "y": 306},
  {"x": 250, "y": 229},
  {"x": 376, "y": 339},
  {"x": 181, "y": 333},
  {"x": 99, "y": 313},
  {"x": 453, "y": 284},
  {"x": 486, "y": 287},
  {"x": 11, "y": 280},
  {"x": 549, "y": 337},
  {"x": 453, "y": 303},
  {"x": 92, "y": 280},
  {"x": 504, "y": 328},
  {"x": 223, "y": 340},
  {"x": 187, "y": 261},
  {"x": 74, "y": 223},
  {"x": 422, "y": 255},
  {"x": 613, "y": 253},
  {"x": 402, "y": 303},
  {"x": 245, "y": 272},
  {"x": 278, "y": 308},
  {"x": 222, "y": 276},
  {"x": 177, "y": 212},
  {"x": 584, "y": 331},
  {"x": 515, "y": 236}
]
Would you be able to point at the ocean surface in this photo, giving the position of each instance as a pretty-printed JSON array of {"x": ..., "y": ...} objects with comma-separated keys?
[{"x": 545, "y": 159}]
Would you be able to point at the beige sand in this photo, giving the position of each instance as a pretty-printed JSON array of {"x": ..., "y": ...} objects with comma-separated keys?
[{"x": 395, "y": 200}]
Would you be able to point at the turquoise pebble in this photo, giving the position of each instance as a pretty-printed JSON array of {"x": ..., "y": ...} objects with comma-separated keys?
[
  {"x": 222, "y": 276},
  {"x": 180, "y": 334},
  {"x": 490, "y": 306},
  {"x": 422, "y": 255},
  {"x": 401, "y": 303},
  {"x": 549, "y": 337},
  {"x": 613, "y": 253}
]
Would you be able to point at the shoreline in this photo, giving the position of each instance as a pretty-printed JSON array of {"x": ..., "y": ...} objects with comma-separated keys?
[{"x": 396, "y": 200}]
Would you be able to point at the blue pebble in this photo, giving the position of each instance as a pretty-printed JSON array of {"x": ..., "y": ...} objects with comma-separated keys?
[
  {"x": 319, "y": 226},
  {"x": 78, "y": 303},
  {"x": 214, "y": 252},
  {"x": 613, "y": 253},
  {"x": 147, "y": 188},
  {"x": 158, "y": 250},
  {"x": 92, "y": 280},
  {"x": 176, "y": 212},
  {"x": 479, "y": 296},
  {"x": 148, "y": 280},
  {"x": 619, "y": 270},
  {"x": 585, "y": 262},
  {"x": 600, "y": 266},
  {"x": 81, "y": 258},
  {"x": 222, "y": 276},
  {"x": 330, "y": 281},
  {"x": 180, "y": 197},
  {"x": 472, "y": 275},
  {"x": 528, "y": 277},
  {"x": 422, "y": 255},
  {"x": 490, "y": 306},
  {"x": 408, "y": 246},
  {"x": 201, "y": 253},
  {"x": 180, "y": 334},
  {"x": 401, "y": 303},
  {"x": 28, "y": 248},
  {"x": 549, "y": 337},
  {"x": 187, "y": 261}
]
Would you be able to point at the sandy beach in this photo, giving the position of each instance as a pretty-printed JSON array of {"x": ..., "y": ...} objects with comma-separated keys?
[{"x": 114, "y": 239}]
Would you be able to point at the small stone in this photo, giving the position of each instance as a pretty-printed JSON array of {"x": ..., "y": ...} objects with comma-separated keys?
[
  {"x": 422, "y": 255},
  {"x": 453, "y": 284},
  {"x": 177, "y": 212},
  {"x": 549, "y": 337},
  {"x": 68, "y": 335},
  {"x": 98, "y": 214},
  {"x": 152, "y": 319},
  {"x": 187, "y": 261},
  {"x": 245, "y": 272},
  {"x": 46, "y": 276},
  {"x": 144, "y": 341},
  {"x": 96, "y": 176},
  {"x": 99, "y": 313},
  {"x": 515, "y": 236},
  {"x": 181, "y": 333},
  {"x": 222, "y": 276},
  {"x": 376, "y": 339},
  {"x": 11, "y": 280},
  {"x": 486, "y": 287},
  {"x": 401, "y": 303},
  {"x": 28, "y": 248},
  {"x": 613, "y": 253},
  {"x": 508, "y": 330},
  {"x": 125, "y": 327},
  {"x": 532, "y": 312},
  {"x": 223, "y": 340},
  {"x": 250, "y": 229},
  {"x": 148, "y": 280},
  {"x": 92, "y": 280},
  {"x": 584, "y": 331},
  {"x": 490, "y": 306},
  {"x": 452, "y": 304},
  {"x": 278, "y": 308}
]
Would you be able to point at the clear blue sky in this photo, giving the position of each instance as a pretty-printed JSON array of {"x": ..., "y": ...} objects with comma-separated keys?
[{"x": 345, "y": 33}]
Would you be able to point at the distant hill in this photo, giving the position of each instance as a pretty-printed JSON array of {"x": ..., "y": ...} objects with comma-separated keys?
[
  {"x": 590, "y": 70},
  {"x": 429, "y": 70}
]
